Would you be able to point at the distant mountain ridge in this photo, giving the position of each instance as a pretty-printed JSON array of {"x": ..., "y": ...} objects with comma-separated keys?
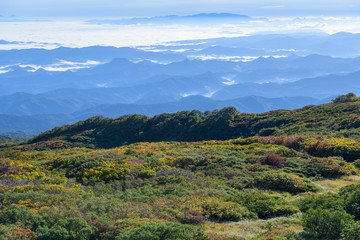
[
  {"x": 36, "y": 123},
  {"x": 250, "y": 104},
  {"x": 165, "y": 92},
  {"x": 121, "y": 73},
  {"x": 40, "y": 88},
  {"x": 321, "y": 87},
  {"x": 170, "y": 19},
  {"x": 98, "y": 53}
]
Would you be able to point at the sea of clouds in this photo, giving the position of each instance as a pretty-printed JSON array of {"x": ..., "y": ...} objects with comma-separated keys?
[{"x": 79, "y": 33}]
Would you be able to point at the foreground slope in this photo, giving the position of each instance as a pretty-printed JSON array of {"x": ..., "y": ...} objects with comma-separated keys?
[
  {"x": 168, "y": 190},
  {"x": 279, "y": 186}
]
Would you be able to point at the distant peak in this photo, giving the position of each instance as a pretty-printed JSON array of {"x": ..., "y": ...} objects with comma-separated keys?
[
  {"x": 219, "y": 15},
  {"x": 201, "y": 17},
  {"x": 342, "y": 34},
  {"x": 194, "y": 98},
  {"x": 116, "y": 61}
]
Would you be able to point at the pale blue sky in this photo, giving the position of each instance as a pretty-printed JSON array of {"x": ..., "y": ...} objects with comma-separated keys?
[{"x": 98, "y": 8}]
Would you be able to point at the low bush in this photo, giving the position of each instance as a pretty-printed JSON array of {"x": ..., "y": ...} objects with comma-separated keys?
[
  {"x": 191, "y": 217},
  {"x": 284, "y": 182},
  {"x": 326, "y": 223},
  {"x": 224, "y": 211},
  {"x": 164, "y": 231}
]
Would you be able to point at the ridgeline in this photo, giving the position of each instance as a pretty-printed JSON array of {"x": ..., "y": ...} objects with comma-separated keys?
[{"x": 339, "y": 117}]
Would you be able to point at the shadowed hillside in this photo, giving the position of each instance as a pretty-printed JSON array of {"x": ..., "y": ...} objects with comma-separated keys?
[{"x": 226, "y": 123}]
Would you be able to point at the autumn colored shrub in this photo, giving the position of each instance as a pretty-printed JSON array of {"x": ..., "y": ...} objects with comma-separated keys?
[
  {"x": 191, "y": 217},
  {"x": 167, "y": 190},
  {"x": 346, "y": 148},
  {"x": 319, "y": 149},
  {"x": 331, "y": 167},
  {"x": 275, "y": 160},
  {"x": 101, "y": 229},
  {"x": 294, "y": 142},
  {"x": 16, "y": 231}
]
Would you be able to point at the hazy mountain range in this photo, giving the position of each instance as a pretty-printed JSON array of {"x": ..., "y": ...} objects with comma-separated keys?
[
  {"x": 40, "y": 89},
  {"x": 36, "y": 122},
  {"x": 122, "y": 73},
  {"x": 202, "y": 18},
  {"x": 341, "y": 44}
]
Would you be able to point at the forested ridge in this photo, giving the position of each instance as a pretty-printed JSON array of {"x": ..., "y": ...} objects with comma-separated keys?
[
  {"x": 227, "y": 123},
  {"x": 189, "y": 175}
]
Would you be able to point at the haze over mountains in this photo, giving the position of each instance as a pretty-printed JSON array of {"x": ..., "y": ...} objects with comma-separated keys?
[
  {"x": 202, "y": 18},
  {"x": 42, "y": 88}
]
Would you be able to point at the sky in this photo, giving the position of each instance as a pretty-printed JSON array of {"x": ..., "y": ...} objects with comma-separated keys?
[
  {"x": 126, "y": 8},
  {"x": 60, "y": 25}
]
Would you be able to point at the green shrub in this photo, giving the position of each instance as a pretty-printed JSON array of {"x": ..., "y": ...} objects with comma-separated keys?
[
  {"x": 164, "y": 231},
  {"x": 264, "y": 206},
  {"x": 224, "y": 211},
  {"x": 326, "y": 223},
  {"x": 329, "y": 201},
  {"x": 54, "y": 233},
  {"x": 283, "y": 210},
  {"x": 350, "y": 97},
  {"x": 357, "y": 163},
  {"x": 352, "y": 202},
  {"x": 331, "y": 167},
  {"x": 15, "y": 214},
  {"x": 241, "y": 182},
  {"x": 69, "y": 229},
  {"x": 284, "y": 182},
  {"x": 351, "y": 232}
]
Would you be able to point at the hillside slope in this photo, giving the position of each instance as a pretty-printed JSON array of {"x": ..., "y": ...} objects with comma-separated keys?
[
  {"x": 285, "y": 185},
  {"x": 226, "y": 123}
]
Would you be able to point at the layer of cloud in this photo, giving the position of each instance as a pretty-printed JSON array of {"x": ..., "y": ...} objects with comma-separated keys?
[{"x": 80, "y": 34}]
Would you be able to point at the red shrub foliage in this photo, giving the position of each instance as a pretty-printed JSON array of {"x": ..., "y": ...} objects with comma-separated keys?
[
  {"x": 100, "y": 227},
  {"x": 191, "y": 217},
  {"x": 293, "y": 142},
  {"x": 318, "y": 149},
  {"x": 231, "y": 174},
  {"x": 7, "y": 168},
  {"x": 275, "y": 160},
  {"x": 18, "y": 232}
]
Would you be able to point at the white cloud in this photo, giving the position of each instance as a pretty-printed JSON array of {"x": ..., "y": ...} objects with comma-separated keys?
[
  {"x": 62, "y": 66},
  {"x": 51, "y": 34}
]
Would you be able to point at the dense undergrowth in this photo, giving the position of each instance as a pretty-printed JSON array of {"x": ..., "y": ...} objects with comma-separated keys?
[{"x": 254, "y": 187}]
